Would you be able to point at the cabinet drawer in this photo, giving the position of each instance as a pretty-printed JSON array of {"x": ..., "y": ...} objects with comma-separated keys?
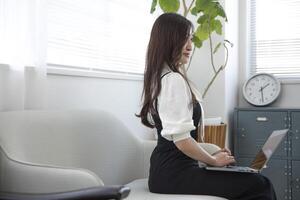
[
  {"x": 295, "y": 181},
  {"x": 295, "y": 135},
  {"x": 253, "y": 129}
]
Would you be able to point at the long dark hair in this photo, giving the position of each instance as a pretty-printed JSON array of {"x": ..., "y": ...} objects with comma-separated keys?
[{"x": 169, "y": 34}]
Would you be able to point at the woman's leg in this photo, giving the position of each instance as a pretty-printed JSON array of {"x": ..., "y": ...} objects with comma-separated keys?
[{"x": 231, "y": 185}]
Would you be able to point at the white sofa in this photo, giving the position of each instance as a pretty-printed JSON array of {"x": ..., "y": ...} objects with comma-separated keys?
[{"x": 56, "y": 151}]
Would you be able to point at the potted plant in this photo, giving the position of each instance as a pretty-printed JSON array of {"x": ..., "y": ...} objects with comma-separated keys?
[{"x": 209, "y": 14}]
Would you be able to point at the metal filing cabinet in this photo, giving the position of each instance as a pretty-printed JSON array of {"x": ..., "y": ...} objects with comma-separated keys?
[
  {"x": 295, "y": 181},
  {"x": 252, "y": 126}
]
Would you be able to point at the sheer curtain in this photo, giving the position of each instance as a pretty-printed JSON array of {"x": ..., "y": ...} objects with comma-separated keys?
[{"x": 22, "y": 54}]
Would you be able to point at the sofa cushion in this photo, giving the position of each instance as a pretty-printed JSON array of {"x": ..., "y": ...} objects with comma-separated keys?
[{"x": 140, "y": 191}]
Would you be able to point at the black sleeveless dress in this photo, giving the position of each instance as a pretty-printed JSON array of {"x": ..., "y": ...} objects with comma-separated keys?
[{"x": 172, "y": 172}]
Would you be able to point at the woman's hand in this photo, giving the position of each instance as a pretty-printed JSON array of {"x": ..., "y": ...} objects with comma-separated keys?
[
  {"x": 223, "y": 158},
  {"x": 223, "y": 150},
  {"x": 191, "y": 148}
]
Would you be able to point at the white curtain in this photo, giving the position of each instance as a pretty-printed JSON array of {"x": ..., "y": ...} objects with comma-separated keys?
[{"x": 23, "y": 43}]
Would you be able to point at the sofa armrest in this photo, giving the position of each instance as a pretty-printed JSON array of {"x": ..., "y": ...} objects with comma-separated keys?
[
  {"x": 99, "y": 193},
  {"x": 24, "y": 177}
]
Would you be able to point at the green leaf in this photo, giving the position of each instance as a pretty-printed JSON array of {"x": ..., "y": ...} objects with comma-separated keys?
[
  {"x": 202, "y": 4},
  {"x": 203, "y": 19},
  {"x": 197, "y": 42},
  {"x": 169, "y": 5},
  {"x": 194, "y": 11},
  {"x": 217, "y": 47},
  {"x": 202, "y": 32},
  {"x": 211, "y": 10},
  {"x": 221, "y": 11},
  {"x": 216, "y": 25},
  {"x": 153, "y": 6}
]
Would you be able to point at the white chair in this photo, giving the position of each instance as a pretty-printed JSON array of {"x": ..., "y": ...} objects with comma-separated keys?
[{"x": 57, "y": 151}]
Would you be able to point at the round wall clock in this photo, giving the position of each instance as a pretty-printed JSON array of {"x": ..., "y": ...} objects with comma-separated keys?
[{"x": 261, "y": 89}]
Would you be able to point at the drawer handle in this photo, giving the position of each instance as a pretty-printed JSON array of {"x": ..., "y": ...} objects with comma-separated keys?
[{"x": 261, "y": 119}]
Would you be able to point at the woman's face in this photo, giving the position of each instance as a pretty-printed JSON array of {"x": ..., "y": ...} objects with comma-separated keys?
[{"x": 186, "y": 51}]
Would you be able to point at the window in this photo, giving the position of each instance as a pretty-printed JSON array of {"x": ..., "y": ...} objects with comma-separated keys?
[
  {"x": 275, "y": 37},
  {"x": 99, "y": 35}
]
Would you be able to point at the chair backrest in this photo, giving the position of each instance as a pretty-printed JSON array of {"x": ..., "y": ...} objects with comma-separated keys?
[{"x": 90, "y": 139}]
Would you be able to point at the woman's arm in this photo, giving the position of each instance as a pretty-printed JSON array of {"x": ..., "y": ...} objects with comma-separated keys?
[{"x": 191, "y": 148}]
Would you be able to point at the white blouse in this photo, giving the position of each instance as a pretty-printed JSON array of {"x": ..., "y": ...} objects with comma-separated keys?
[{"x": 175, "y": 108}]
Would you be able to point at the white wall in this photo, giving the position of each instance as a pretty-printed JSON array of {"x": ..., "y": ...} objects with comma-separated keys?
[
  {"x": 289, "y": 97},
  {"x": 120, "y": 97},
  {"x": 232, "y": 71}
]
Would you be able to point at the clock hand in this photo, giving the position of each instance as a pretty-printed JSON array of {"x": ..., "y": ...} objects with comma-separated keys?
[
  {"x": 264, "y": 86},
  {"x": 262, "y": 94}
]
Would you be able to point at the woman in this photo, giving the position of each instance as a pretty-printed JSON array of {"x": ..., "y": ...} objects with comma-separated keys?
[{"x": 170, "y": 104}]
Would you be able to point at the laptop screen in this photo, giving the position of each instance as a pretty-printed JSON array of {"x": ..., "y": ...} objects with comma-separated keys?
[
  {"x": 268, "y": 149},
  {"x": 259, "y": 161}
]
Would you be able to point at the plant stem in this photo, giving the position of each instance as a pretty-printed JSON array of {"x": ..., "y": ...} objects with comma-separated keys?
[
  {"x": 186, "y": 9},
  {"x": 216, "y": 73},
  {"x": 211, "y": 81},
  {"x": 212, "y": 54},
  {"x": 191, "y": 5},
  {"x": 226, "y": 58}
]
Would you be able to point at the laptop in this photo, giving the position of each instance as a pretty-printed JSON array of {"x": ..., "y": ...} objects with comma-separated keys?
[{"x": 261, "y": 158}]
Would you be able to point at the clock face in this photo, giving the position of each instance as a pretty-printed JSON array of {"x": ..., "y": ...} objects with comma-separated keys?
[{"x": 261, "y": 89}]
